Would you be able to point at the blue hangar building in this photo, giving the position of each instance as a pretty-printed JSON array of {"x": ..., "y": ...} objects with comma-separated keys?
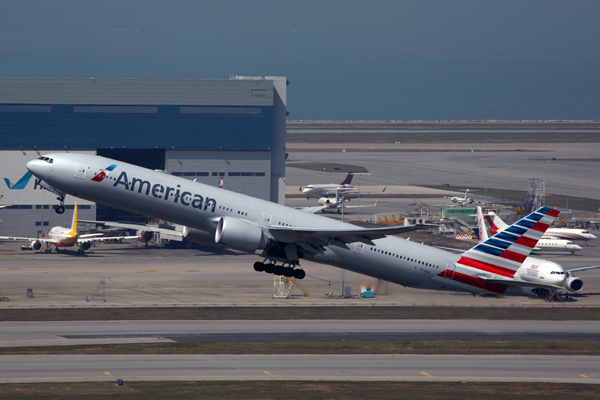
[{"x": 196, "y": 129}]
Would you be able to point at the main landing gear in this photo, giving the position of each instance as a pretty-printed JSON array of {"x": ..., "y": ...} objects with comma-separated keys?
[
  {"x": 61, "y": 206},
  {"x": 272, "y": 268}
]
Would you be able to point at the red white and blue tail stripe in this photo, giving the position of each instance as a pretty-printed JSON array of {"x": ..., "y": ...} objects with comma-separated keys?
[{"x": 503, "y": 253}]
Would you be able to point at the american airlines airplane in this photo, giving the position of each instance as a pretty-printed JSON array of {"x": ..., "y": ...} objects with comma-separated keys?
[
  {"x": 498, "y": 225},
  {"x": 501, "y": 265},
  {"x": 330, "y": 188}
]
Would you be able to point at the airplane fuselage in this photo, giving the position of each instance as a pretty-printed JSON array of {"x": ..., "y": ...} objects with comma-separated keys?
[{"x": 195, "y": 205}]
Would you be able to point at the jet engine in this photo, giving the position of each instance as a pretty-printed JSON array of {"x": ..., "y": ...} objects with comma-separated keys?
[
  {"x": 240, "y": 235},
  {"x": 200, "y": 237},
  {"x": 36, "y": 245},
  {"x": 145, "y": 236},
  {"x": 574, "y": 284},
  {"x": 85, "y": 245}
]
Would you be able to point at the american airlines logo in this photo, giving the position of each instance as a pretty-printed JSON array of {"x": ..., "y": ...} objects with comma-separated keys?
[
  {"x": 100, "y": 177},
  {"x": 159, "y": 191}
]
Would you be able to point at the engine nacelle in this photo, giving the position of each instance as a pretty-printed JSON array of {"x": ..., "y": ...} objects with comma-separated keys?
[
  {"x": 36, "y": 245},
  {"x": 574, "y": 284},
  {"x": 145, "y": 236},
  {"x": 85, "y": 245},
  {"x": 200, "y": 237},
  {"x": 240, "y": 235}
]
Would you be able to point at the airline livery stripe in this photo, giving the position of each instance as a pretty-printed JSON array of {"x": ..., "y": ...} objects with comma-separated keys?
[
  {"x": 488, "y": 249},
  {"x": 511, "y": 255},
  {"x": 540, "y": 227},
  {"x": 474, "y": 281},
  {"x": 498, "y": 243},
  {"x": 553, "y": 212},
  {"x": 487, "y": 267},
  {"x": 525, "y": 223},
  {"x": 525, "y": 241},
  {"x": 535, "y": 216},
  {"x": 516, "y": 230}
]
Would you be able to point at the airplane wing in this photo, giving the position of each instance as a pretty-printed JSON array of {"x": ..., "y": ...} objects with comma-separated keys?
[
  {"x": 91, "y": 235},
  {"x": 516, "y": 282},
  {"x": 101, "y": 239},
  {"x": 317, "y": 238},
  {"x": 151, "y": 228},
  {"x": 43, "y": 240},
  {"x": 366, "y": 205},
  {"x": 576, "y": 269}
]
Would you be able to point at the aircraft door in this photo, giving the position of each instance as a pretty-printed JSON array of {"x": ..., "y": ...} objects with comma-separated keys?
[
  {"x": 266, "y": 219},
  {"x": 449, "y": 272},
  {"x": 359, "y": 247},
  {"x": 80, "y": 171}
]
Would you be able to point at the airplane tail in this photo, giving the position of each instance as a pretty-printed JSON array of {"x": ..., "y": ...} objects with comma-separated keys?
[
  {"x": 348, "y": 179},
  {"x": 503, "y": 253},
  {"x": 221, "y": 182},
  {"x": 495, "y": 222},
  {"x": 483, "y": 235},
  {"x": 74, "y": 223}
]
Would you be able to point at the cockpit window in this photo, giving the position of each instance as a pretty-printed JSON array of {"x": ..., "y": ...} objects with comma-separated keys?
[
  {"x": 47, "y": 159},
  {"x": 51, "y": 161}
]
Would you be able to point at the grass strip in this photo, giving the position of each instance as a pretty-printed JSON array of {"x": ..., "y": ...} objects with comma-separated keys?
[
  {"x": 302, "y": 312},
  {"x": 184, "y": 390},
  {"x": 471, "y": 347}
]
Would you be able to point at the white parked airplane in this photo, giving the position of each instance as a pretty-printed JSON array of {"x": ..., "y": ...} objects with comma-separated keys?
[
  {"x": 542, "y": 245},
  {"x": 498, "y": 225},
  {"x": 501, "y": 265},
  {"x": 337, "y": 203},
  {"x": 331, "y": 188},
  {"x": 65, "y": 237},
  {"x": 462, "y": 201}
]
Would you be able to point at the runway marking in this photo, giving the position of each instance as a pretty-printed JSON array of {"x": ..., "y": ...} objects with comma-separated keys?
[
  {"x": 426, "y": 374},
  {"x": 107, "y": 373},
  {"x": 268, "y": 373},
  {"x": 56, "y": 336},
  {"x": 150, "y": 271},
  {"x": 412, "y": 168},
  {"x": 121, "y": 358},
  {"x": 585, "y": 376}
]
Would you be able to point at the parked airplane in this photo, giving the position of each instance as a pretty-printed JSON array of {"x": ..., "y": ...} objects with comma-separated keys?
[
  {"x": 542, "y": 245},
  {"x": 337, "y": 203},
  {"x": 330, "y": 189},
  {"x": 65, "y": 237},
  {"x": 462, "y": 201},
  {"x": 501, "y": 265},
  {"x": 498, "y": 225}
]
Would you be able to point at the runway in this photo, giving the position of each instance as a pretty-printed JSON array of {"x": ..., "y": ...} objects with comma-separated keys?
[
  {"x": 575, "y": 369},
  {"x": 19, "y": 334}
]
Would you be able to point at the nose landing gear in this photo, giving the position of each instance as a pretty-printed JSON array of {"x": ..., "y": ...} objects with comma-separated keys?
[{"x": 61, "y": 206}]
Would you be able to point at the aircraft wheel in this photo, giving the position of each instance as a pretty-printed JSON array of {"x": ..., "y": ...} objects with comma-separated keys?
[
  {"x": 289, "y": 272},
  {"x": 269, "y": 268},
  {"x": 60, "y": 209},
  {"x": 279, "y": 270},
  {"x": 259, "y": 267},
  {"x": 299, "y": 274}
]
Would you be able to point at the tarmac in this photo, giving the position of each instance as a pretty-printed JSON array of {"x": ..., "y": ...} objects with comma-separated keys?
[{"x": 136, "y": 276}]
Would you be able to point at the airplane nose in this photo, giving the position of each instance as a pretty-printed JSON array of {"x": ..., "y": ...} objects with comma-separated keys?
[{"x": 33, "y": 166}]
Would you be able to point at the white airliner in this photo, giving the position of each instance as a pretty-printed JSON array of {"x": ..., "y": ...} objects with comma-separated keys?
[
  {"x": 501, "y": 265},
  {"x": 337, "y": 203},
  {"x": 330, "y": 188},
  {"x": 542, "y": 245},
  {"x": 65, "y": 237},
  {"x": 462, "y": 201},
  {"x": 498, "y": 225}
]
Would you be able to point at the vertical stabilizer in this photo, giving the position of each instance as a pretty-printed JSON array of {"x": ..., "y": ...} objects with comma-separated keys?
[
  {"x": 496, "y": 224},
  {"x": 74, "y": 223},
  {"x": 483, "y": 235},
  {"x": 503, "y": 253},
  {"x": 348, "y": 179}
]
